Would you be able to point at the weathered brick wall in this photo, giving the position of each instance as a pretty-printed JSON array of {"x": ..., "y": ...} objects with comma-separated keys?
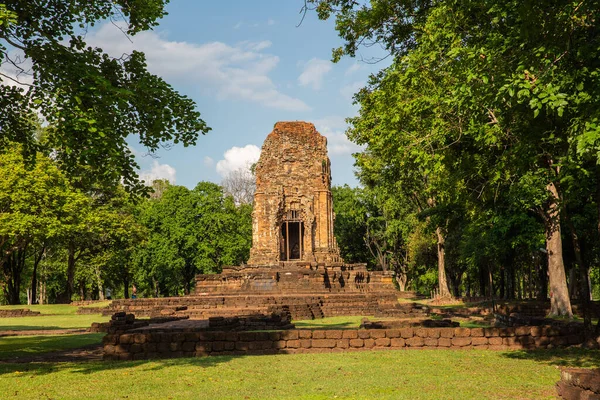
[
  {"x": 18, "y": 312},
  {"x": 300, "y": 306},
  {"x": 147, "y": 345},
  {"x": 577, "y": 383},
  {"x": 293, "y": 174}
]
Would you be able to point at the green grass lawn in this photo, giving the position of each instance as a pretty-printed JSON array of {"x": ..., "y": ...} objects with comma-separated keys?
[
  {"x": 54, "y": 316},
  {"x": 51, "y": 322},
  {"x": 401, "y": 374},
  {"x": 46, "y": 308},
  {"x": 343, "y": 322},
  {"x": 12, "y": 347}
]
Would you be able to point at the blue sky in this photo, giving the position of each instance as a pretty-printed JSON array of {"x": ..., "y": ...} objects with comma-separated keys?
[{"x": 247, "y": 65}]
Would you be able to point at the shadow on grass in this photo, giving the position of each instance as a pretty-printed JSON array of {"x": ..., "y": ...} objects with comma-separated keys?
[
  {"x": 574, "y": 357},
  {"x": 92, "y": 367},
  {"x": 30, "y": 328},
  {"x": 316, "y": 325},
  {"x": 12, "y": 347}
]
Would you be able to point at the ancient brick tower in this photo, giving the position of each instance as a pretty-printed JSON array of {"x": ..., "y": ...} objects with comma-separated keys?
[{"x": 293, "y": 215}]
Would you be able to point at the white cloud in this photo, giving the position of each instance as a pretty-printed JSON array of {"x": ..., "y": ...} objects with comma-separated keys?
[
  {"x": 208, "y": 161},
  {"x": 349, "y": 90},
  {"x": 352, "y": 69},
  {"x": 237, "y": 158},
  {"x": 239, "y": 72},
  {"x": 333, "y": 128},
  {"x": 314, "y": 72},
  {"x": 158, "y": 171}
]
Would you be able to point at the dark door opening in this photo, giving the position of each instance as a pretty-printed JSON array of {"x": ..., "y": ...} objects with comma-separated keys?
[{"x": 292, "y": 240}]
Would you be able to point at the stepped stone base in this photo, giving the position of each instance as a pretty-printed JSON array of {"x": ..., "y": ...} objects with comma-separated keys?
[{"x": 302, "y": 290}]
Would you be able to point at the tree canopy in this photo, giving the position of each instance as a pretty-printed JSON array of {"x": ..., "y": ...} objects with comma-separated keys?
[
  {"x": 487, "y": 107},
  {"x": 91, "y": 101}
]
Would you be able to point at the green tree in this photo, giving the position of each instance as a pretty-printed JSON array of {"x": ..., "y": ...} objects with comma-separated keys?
[
  {"x": 521, "y": 80},
  {"x": 93, "y": 102},
  {"x": 36, "y": 205},
  {"x": 190, "y": 232}
]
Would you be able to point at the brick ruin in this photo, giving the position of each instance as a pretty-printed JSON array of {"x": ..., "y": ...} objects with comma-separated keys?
[
  {"x": 293, "y": 208},
  {"x": 294, "y": 249},
  {"x": 295, "y": 263}
]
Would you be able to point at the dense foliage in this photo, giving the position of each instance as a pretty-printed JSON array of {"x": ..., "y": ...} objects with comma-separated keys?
[
  {"x": 92, "y": 100},
  {"x": 487, "y": 122}
]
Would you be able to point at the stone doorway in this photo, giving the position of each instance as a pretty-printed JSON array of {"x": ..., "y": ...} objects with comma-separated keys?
[{"x": 292, "y": 240}]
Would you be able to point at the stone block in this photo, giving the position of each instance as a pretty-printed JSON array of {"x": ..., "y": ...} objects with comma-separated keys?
[
  {"x": 364, "y": 334},
  {"x": 447, "y": 332},
  {"x": 323, "y": 343},
  {"x": 479, "y": 341},
  {"x": 406, "y": 333},
  {"x": 421, "y": 332},
  {"x": 228, "y": 346},
  {"x": 522, "y": 331},
  {"x": 397, "y": 342},
  {"x": 190, "y": 346},
  {"x": 126, "y": 338},
  {"x": 444, "y": 342},
  {"x": 477, "y": 332},
  {"x": 231, "y": 337},
  {"x": 304, "y": 334},
  {"x": 246, "y": 336},
  {"x": 243, "y": 346},
  {"x": 491, "y": 332},
  {"x": 357, "y": 343},
  {"x": 415, "y": 341},
  {"x": 430, "y": 342},
  {"x": 176, "y": 346},
  {"x": 333, "y": 334},
  {"x": 122, "y": 348},
  {"x": 305, "y": 343},
  {"x": 289, "y": 335},
  {"x": 461, "y": 341},
  {"x": 343, "y": 343},
  {"x": 506, "y": 332},
  {"x": 318, "y": 335},
  {"x": 495, "y": 341},
  {"x": 369, "y": 343},
  {"x": 392, "y": 333},
  {"x": 462, "y": 332},
  {"x": 382, "y": 342},
  {"x": 349, "y": 334},
  {"x": 135, "y": 348},
  {"x": 433, "y": 333}
]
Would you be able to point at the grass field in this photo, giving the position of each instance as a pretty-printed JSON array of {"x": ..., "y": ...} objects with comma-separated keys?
[
  {"x": 54, "y": 316},
  {"x": 400, "y": 374},
  {"x": 12, "y": 347},
  {"x": 426, "y": 374}
]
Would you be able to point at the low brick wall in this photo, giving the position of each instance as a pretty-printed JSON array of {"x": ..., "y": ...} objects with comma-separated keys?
[
  {"x": 148, "y": 344},
  {"x": 18, "y": 312},
  {"x": 577, "y": 383}
]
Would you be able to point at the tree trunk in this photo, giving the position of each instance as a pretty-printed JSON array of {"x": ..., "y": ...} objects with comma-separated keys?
[
  {"x": 34, "y": 281},
  {"x": 67, "y": 294},
  {"x": 99, "y": 283},
  {"x": 12, "y": 268},
  {"x": 560, "y": 303},
  {"x": 441, "y": 251},
  {"x": 126, "y": 287},
  {"x": 584, "y": 282}
]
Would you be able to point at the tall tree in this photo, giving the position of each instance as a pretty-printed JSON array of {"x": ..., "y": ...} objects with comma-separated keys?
[
  {"x": 92, "y": 101},
  {"x": 36, "y": 205},
  {"x": 521, "y": 78}
]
